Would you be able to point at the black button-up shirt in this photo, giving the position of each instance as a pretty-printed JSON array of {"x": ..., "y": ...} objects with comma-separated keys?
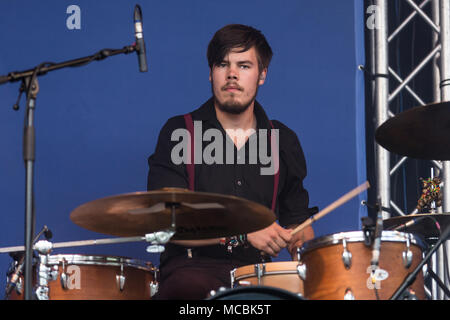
[{"x": 241, "y": 178}]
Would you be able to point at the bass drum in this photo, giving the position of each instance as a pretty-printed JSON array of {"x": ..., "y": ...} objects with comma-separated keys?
[
  {"x": 255, "y": 293},
  {"x": 338, "y": 266},
  {"x": 84, "y": 277}
]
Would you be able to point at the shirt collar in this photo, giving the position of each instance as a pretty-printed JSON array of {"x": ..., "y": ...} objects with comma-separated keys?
[{"x": 206, "y": 112}]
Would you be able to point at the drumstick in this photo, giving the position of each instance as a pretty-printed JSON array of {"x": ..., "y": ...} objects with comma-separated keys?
[{"x": 346, "y": 197}]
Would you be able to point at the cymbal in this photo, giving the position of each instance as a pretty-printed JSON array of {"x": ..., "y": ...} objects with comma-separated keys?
[
  {"x": 425, "y": 227},
  {"x": 198, "y": 215},
  {"x": 421, "y": 132}
]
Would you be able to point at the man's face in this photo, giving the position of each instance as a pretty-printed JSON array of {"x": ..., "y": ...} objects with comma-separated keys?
[{"x": 235, "y": 81}]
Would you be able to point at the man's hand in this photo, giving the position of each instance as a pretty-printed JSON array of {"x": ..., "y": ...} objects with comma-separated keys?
[
  {"x": 271, "y": 239},
  {"x": 298, "y": 239}
]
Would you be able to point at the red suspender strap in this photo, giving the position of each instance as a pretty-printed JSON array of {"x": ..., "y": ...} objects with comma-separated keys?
[
  {"x": 276, "y": 177},
  {"x": 190, "y": 166}
]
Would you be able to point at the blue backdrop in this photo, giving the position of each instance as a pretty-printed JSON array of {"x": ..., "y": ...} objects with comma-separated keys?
[{"x": 96, "y": 125}]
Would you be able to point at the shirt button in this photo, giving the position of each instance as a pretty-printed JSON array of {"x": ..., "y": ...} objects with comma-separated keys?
[{"x": 239, "y": 183}]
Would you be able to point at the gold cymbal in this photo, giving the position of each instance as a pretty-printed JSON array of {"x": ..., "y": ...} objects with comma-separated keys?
[
  {"x": 198, "y": 215},
  {"x": 421, "y": 132}
]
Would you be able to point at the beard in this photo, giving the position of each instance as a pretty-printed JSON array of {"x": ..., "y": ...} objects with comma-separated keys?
[{"x": 231, "y": 104}]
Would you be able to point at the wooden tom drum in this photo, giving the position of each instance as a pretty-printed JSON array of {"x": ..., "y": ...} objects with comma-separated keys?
[
  {"x": 338, "y": 266},
  {"x": 84, "y": 277},
  {"x": 283, "y": 275}
]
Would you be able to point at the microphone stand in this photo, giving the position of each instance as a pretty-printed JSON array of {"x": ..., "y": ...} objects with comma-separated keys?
[
  {"x": 31, "y": 87},
  {"x": 412, "y": 276},
  {"x": 21, "y": 262},
  {"x": 49, "y": 66}
]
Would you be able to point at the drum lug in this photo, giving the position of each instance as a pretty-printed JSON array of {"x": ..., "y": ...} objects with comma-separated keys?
[
  {"x": 54, "y": 273},
  {"x": 260, "y": 270},
  {"x": 407, "y": 255},
  {"x": 154, "y": 287},
  {"x": 120, "y": 279},
  {"x": 233, "y": 276},
  {"x": 64, "y": 277},
  {"x": 301, "y": 271},
  {"x": 42, "y": 293},
  {"x": 346, "y": 255},
  {"x": 349, "y": 294}
]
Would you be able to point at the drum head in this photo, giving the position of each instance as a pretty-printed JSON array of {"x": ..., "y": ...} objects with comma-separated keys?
[{"x": 255, "y": 293}]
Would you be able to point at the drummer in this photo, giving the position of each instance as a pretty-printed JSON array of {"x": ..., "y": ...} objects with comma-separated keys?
[{"x": 238, "y": 58}]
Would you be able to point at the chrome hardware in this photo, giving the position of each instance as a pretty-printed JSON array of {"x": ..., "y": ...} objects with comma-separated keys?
[
  {"x": 158, "y": 240},
  {"x": 301, "y": 271},
  {"x": 260, "y": 270},
  {"x": 54, "y": 273},
  {"x": 43, "y": 246},
  {"x": 299, "y": 258},
  {"x": 346, "y": 255},
  {"x": 407, "y": 255},
  {"x": 233, "y": 276},
  {"x": 155, "y": 248},
  {"x": 212, "y": 293},
  {"x": 43, "y": 276},
  {"x": 154, "y": 287},
  {"x": 42, "y": 293},
  {"x": 44, "y": 272},
  {"x": 64, "y": 277},
  {"x": 349, "y": 294},
  {"x": 19, "y": 286},
  {"x": 120, "y": 279}
]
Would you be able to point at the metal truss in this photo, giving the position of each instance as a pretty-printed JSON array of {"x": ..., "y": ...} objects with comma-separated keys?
[{"x": 439, "y": 57}]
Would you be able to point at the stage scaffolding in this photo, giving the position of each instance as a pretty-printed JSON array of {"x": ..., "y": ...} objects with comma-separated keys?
[{"x": 383, "y": 74}]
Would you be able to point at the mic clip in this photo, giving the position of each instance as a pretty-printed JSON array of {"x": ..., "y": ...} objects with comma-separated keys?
[{"x": 368, "y": 228}]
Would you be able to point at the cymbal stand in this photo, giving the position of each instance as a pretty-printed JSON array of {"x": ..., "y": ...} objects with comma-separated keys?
[{"x": 412, "y": 275}]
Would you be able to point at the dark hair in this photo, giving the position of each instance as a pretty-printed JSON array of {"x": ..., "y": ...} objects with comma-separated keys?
[{"x": 234, "y": 36}]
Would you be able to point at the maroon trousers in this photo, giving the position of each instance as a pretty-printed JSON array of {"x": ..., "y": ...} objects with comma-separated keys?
[{"x": 184, "y": 278}]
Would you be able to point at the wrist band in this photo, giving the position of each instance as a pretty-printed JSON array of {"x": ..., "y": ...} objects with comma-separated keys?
[{"x": 235, "y": 241}]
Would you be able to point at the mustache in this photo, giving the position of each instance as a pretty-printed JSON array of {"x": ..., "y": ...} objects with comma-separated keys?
[{"x": 232, "y": 85}]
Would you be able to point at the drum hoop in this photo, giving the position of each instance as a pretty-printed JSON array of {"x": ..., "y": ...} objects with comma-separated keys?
[
  {"x": 267, "y": 273},
  {"x": 358, "y": 236},
  {"x": 115, "y": 261}
]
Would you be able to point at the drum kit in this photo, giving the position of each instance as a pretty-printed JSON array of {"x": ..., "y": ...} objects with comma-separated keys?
[{"x": 335, "y": 267}]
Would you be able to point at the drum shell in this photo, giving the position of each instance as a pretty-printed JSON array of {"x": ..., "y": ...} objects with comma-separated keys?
[
  {"x": 96, "y": 278},
  {"x": 283, "y": 275},
  {"x": 327, "y": 277}
]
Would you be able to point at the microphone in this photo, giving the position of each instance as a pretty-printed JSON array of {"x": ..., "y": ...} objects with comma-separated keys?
[
  {"x": 15, "y": 277},
  {"x": 140, "y": 45},
  {"x": 410, "y": 223}
]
